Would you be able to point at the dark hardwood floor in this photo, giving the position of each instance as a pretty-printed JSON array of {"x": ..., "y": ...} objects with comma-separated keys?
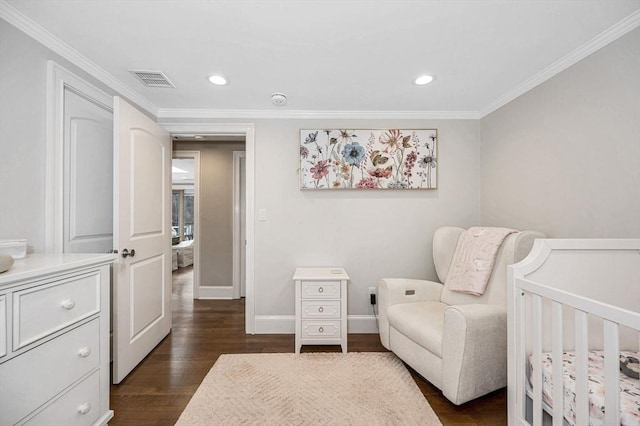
[{"x": 157, "y": 391}]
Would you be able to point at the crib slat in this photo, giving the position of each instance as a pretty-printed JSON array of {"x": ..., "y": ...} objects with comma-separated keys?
[
  {"x": 557, "y": 363},
  {"x": 582, "y": 368},
  {"x": 521, "y": 361},
  {"x": 537, "y": 359},
  {"x": 611, "y": 374}
]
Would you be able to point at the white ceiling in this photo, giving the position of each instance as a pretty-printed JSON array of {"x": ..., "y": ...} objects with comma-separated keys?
[
  {"x": 182, "y": 171},
  {"x": 349, "y": 55}
]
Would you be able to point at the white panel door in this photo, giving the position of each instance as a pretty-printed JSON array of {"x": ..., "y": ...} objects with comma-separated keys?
[
  {"x": 142, "y": 279},
  {"x": 88, "y": 175}
]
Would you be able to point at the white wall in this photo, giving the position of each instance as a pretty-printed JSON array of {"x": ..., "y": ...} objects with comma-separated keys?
[
  {"x": 23, "y": 73},
  {"x": 564, "y": 158},
  {"x": 374, "y": 233}
]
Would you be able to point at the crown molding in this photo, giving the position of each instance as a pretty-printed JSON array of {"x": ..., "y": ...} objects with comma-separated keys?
[
  {"x": 31, "y": 28},
  {"x": 35, "y": 31},
  {"x": 171, "y": 113},
  {"x": 623, "y": 27},
  {"x": 228, "y": 129}
]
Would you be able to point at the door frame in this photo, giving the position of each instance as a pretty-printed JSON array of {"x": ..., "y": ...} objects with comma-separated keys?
[
  {"x": 195, "y": 155},
  {"x": 237, "y": 244},
  {"x": 248, "y": 131},
  {"x": 59, "y": 78}
]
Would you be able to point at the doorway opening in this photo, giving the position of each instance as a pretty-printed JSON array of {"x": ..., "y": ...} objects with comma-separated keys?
[
  {"x": 184, "y": 227},
  {"x": 222, "y": 131},
  {"x": 219, "y": 187}
]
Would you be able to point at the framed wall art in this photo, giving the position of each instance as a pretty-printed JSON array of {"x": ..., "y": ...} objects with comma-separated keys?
[{"x": 368, "y": 159}]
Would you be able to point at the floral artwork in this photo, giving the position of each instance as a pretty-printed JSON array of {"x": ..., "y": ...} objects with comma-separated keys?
[{"x": 368, "y": 159}]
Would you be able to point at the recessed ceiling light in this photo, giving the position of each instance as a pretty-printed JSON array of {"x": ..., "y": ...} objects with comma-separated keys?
[
  {"x": 218, "y": 80},
  {"x": 422, "y": 80}
]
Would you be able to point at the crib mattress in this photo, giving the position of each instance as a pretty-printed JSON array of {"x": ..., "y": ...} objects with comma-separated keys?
[{"x": 629, "y": 388}]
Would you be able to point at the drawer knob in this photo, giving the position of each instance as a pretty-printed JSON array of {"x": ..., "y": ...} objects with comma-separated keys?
[
  {"x": 84, "y": 351},
  {"x": 68, "y": 304},
  {"x": 84, "y": 408},
  {"x": 321, "y": 330},
  {"x": 320, "y": 290},
  {"x": 320, "y": 309}
]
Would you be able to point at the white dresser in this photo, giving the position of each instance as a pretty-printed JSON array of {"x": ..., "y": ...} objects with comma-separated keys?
[
  {"x": 54, "y": 340},
  {"x": 321, "y": 307}
]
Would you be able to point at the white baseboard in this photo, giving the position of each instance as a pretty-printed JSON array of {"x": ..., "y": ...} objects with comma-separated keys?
[
  {"x": 275, "y": 324},
  {"x": 221, "y": 292},
  {"x": 285, "y": 324},
  {"x": 362, "y": 324}
]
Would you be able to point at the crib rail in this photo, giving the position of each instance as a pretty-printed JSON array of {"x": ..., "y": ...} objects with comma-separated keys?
[
  {"x": 527, "y": 298},
  {"x": 612, "y": 317}
]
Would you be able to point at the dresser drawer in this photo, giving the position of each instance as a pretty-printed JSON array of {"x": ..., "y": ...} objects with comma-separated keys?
[
  {"x": 40, "y": 311},
  {"x": 320, "y": 289},
  {"x": 79, "y": 406},
  {"x": 320, "y": 329},
  {"x": 3, "y": 326},
  {"x": 320, "y": 309},
  {"x": 34, "y": 377}
]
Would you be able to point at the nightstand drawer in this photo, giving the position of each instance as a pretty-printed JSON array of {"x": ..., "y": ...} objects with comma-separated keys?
[
  {"x": 35, "y": 379},
  {"x": 43, "y": 310},
  {"x": 320, "y": 289},
  {"x": 320, "y": 309},
  {"x": 321, "y": 329},
  {"x": 79, "y": 406}
]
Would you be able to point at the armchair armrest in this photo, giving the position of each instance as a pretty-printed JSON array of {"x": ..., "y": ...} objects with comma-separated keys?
[
  {"x": 474, "y": 351},
  {"x": 392, "y": 291}
]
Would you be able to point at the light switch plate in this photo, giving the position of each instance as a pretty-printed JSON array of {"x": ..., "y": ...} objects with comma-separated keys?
[{"x": 262, "y": 215}]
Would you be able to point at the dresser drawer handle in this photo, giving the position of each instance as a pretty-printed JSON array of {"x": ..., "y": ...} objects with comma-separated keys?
[
  {"x": 84, "y": 351},
  {"x": 320, "y": 290},
  {"x": 321, "y": 330},
  {"x": 84, "y": 408},
  {"x": 321, "y": 309},
  {"x": 68, "y": 304}
]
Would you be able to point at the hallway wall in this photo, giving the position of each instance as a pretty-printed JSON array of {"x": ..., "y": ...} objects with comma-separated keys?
[{"x": 216, "y": 209}]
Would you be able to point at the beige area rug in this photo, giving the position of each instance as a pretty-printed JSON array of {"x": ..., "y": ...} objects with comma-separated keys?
[{"x": 358, "y": 388}]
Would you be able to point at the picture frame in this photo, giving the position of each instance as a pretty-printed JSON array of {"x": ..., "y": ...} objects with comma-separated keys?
[{"x": 368, "y": 159}]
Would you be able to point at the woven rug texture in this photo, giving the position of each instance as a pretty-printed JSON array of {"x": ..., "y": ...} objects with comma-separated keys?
[{"x": 357, "y": 388}]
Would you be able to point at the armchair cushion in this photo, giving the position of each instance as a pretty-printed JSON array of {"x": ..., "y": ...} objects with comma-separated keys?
[
  {"x": 411, "y": 319},
  {"x": 392, "y": 291}
]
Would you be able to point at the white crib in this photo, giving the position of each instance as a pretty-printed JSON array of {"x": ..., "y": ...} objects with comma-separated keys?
[{"x": 567, "y": 299}]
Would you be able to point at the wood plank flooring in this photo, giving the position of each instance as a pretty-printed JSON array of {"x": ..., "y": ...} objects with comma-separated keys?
[{"x": 157, "y": 391}]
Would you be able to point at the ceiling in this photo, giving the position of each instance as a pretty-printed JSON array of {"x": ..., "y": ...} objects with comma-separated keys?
[
  {"x": 182, "y": 171},
  {"x": 349, "y": 55}
]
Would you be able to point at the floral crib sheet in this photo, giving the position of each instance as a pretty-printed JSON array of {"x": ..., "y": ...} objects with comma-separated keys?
[{"x": 629, "y": 388}]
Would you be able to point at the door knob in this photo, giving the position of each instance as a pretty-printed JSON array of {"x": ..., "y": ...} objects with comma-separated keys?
[{"x": 126, "y": 253}]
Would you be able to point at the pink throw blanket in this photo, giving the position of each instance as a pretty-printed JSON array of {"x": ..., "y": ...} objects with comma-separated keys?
[{"x": 477, "y": 254}]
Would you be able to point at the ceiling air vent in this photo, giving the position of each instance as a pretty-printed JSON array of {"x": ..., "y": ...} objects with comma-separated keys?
[{"x": 152, "y": 78}]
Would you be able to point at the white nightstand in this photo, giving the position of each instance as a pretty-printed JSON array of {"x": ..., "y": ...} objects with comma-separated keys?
[{"x": 321, "y": 307}]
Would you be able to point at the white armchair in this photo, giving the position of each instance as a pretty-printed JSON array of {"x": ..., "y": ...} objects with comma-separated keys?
[{"x": 456, "y": 341}]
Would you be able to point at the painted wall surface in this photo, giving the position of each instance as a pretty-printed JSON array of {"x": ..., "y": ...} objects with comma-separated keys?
[
  {"x": 564, "y": 158},
  {"x": 372, "y": 233},
  {"x": 23, "y": 101},
  {"x": 216, "y": 209}
]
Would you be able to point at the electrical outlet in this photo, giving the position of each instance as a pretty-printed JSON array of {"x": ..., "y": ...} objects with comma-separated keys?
[{"x": 372, "y": 295}]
